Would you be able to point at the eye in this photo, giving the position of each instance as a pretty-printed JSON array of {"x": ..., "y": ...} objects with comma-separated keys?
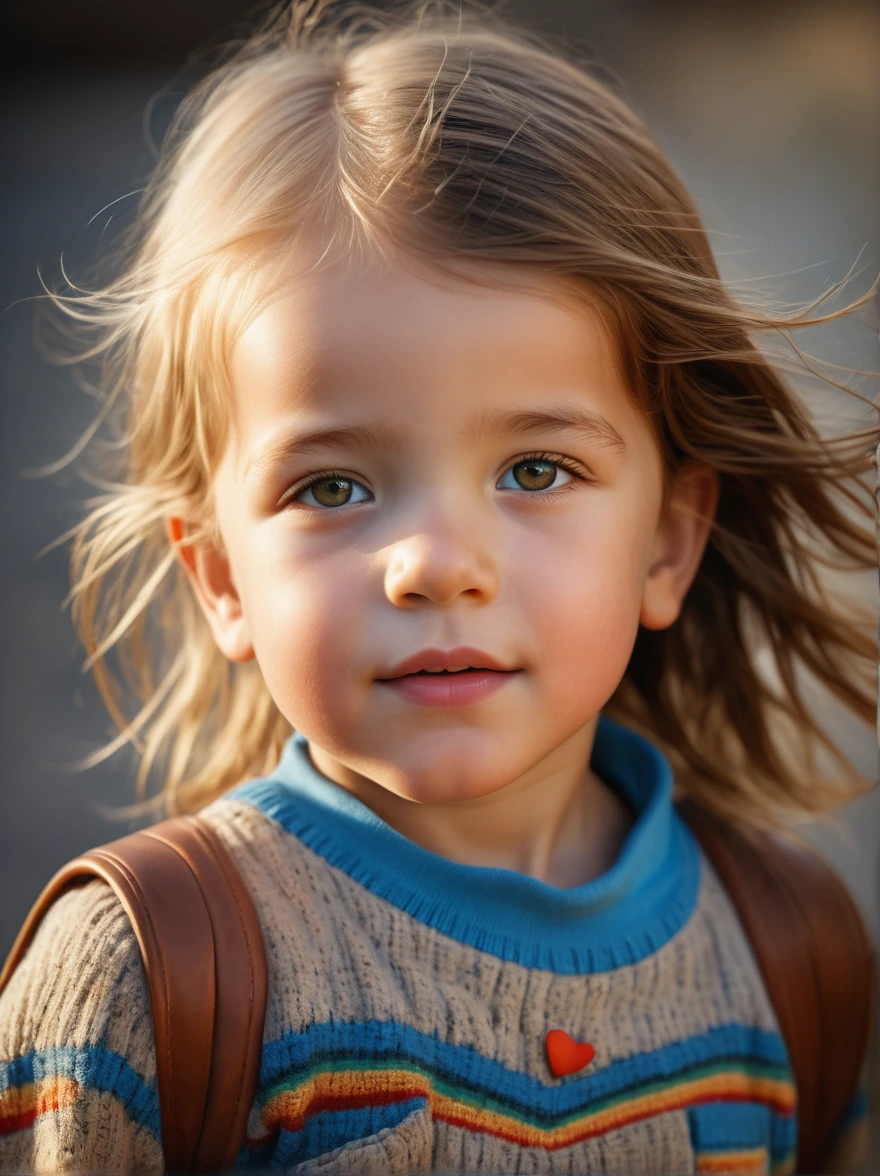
[
  {"x": 328, "y": 489},
  {"x": 537, "y": 472}
]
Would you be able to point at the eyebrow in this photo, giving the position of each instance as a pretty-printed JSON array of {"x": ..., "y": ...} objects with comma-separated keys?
[{"x": 571, "y": 418}]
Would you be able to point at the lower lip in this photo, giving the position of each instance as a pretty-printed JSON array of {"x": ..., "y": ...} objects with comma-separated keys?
[{"x": 460, "y": 689}]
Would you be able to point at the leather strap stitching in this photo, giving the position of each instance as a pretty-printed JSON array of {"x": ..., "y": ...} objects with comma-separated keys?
[
  {"x": 133, "y": 882},
  {"x": 206, "y": 838}
]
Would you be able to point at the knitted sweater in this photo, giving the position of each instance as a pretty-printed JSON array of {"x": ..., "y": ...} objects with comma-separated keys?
[{"x": 410, "y": 1000}]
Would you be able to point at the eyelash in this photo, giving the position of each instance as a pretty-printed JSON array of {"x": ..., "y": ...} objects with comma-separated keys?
[{"x": 556, "y": 459}]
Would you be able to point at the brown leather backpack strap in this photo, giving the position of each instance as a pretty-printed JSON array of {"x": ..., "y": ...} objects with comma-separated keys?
[
  {"x": 817, "y": 962},
  {"x": 241, "y": 982},
  {"x": 205, "y": 964}
]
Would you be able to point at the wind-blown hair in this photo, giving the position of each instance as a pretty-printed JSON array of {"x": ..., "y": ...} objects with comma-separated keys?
[{"x": 458, "y": 135}]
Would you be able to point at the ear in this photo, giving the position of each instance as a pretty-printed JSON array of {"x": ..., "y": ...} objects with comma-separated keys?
[
  {"x": 679, "y": 543},
  {"x": 210, "y": 573}
]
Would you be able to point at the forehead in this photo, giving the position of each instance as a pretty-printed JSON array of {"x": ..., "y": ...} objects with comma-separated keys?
[{"x": 403, "y": 342}]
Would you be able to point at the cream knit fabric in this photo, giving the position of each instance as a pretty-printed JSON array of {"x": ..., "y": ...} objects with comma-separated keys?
[{"x": 394, "y": 1043}]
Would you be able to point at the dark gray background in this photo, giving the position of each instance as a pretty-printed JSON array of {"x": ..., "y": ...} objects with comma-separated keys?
[{"x": 769, "y": 111}]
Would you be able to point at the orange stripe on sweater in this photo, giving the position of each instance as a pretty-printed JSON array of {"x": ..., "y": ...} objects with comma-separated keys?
[
  {"x": 751, "y": 1160},
  {"x": 21, "y": 1106},
  {"x": 342, "y": 1090}
]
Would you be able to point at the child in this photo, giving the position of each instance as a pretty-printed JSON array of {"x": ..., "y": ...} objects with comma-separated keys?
[{"x": 457, "y": 510}]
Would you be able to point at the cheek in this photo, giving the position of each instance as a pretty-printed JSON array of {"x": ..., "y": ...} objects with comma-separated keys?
[
  {"x": 307, "y": 618},
  {"x": 585, "y": 611}
]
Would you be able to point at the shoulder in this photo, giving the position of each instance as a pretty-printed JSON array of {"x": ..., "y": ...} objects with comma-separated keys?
[
  {"x": 798, "y": 918},
  {"x": 77, "y": 1053},
  {"x": 724, "y": 958},
  {"x": 266, "y": 853},
  {"x": 240, "y": 821},
  {"x": 81, "y": 979}
]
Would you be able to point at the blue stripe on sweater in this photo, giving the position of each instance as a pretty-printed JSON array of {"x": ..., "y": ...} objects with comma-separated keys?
[
  {"x": 93, "y": 1067},
  {"x": 857, "y": 1108},
  {"x": 730, "y": 1126},
  {"x": 337, "y": 1040},
  {"x": 723, "y": 1126},
  {"x": 327, "y": 1130}
]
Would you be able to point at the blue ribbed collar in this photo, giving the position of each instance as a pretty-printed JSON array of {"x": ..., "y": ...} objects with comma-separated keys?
[{"x": 615, "y": 919}]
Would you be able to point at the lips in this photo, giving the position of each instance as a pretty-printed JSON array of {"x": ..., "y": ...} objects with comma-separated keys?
[
  {"x": 448, "y": 691},
  {"x": 447, "y": 659}
]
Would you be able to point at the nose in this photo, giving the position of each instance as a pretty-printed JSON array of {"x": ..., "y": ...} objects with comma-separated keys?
[{"x": 440, "y": 562}]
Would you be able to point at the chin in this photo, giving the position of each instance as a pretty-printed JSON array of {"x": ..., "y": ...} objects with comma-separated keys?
[{"x": 445, "y": 783}]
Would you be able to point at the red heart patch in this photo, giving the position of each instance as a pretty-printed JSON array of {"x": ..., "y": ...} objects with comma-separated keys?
[{"x": 565, "y": 1055}]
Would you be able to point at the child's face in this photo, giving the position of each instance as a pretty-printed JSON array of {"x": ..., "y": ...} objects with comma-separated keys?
[{"x": 445, "y": 536}]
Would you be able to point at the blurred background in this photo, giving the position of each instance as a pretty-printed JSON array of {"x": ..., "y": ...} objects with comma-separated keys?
[{"x": 769, "y": 111}]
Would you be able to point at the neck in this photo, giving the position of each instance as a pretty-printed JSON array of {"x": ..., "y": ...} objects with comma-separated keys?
[{"x": 558, "y": 822}]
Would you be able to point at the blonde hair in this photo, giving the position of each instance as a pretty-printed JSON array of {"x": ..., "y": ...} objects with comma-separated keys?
[{"x": 456, "y": 135}]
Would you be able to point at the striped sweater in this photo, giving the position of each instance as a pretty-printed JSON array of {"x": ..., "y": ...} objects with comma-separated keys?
[{"x": 410, "y": 1001}]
